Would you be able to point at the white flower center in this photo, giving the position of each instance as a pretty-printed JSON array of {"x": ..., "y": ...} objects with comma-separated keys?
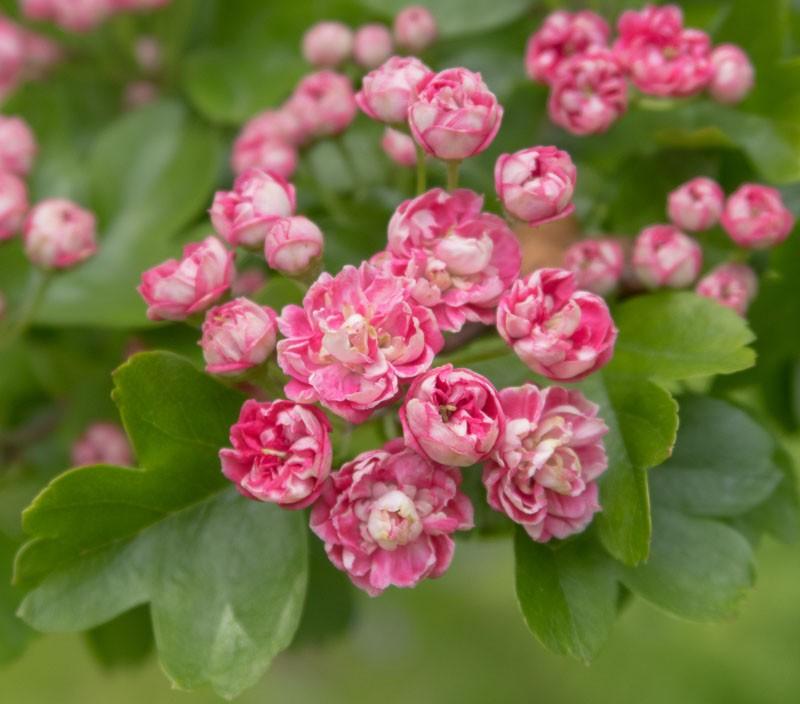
[{"x": 393, "y": 521}]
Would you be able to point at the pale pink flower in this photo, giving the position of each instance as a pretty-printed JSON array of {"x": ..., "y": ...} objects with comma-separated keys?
[
  {"x": 80, "y": 15},
  {"x": 13, "y": 204},
  {"x": 269, "y": 126},
  {"x": 327, "y": 44},
  {"x": 174, "y": 289},
  {"x": 355, "y": 339},
  {"x": 281, "y": 453},
  {"x": 415, "y": 28},
  {"x": 40, "y": 55},
  {"x": 696, "y": 205},
  {"x": 665, "y": 256},
  {"x": 245, "y": 215},
  {"x": 543, "y": 474},
  {"x": 452, "y": 416},
  {"x": 263, "y": 153},
  {"x": 102, "y": 443},
  {"x": 17, "y": 145},
  {"x": 149, "y": 53},
  {"x": 756, "y": 218},
  {"x": 387, "y": 91},
  {"x": 248, "y": 282},
  {"x": 562, "y": 35},
  {"x": 399, "y": 147},
  {"x": 293, "y": 244},
  {"x": 386, "y": 518},
  {"x": 139, "y": 93},
  {"x": 323, "y": 104},
  {"x": 556, "y": 330},
  {"x": 597, "y": 264},
  {"x": 460, "y": 259},
  {"x": 588, "y": 93},
  {"x": 536, "y": 184},
  {"x": 12, "y": 56},
  {"x": 732, "y": 285},
  {"x": 59, "y": 234},
  {"x": 454, "y": 115},
  {"x": 733, "y": 74},
  {"x": 372, "y": 45},
  {"x": 37, "y": 9}
]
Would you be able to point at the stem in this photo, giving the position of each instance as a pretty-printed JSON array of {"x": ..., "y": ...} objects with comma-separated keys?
[
  {"x": 422, "y": 173},
  {"x": 37, "y": 285},
  {"x": 452, "y": 175}
]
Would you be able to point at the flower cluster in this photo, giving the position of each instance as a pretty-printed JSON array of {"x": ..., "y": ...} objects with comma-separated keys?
[{"x": 83, "y": 15}]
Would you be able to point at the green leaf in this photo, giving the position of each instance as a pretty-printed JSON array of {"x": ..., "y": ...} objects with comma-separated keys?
[
  {"x": 14, "y": 634},
  {"x": 124, "y": 641},
  {"x": 225, "y": 577},
  {"x": 568, "y": 594}
]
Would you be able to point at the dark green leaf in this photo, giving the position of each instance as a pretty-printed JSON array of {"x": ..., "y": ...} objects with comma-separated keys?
[
  {"x": 14, "y": 634},
  {"x": 124, "y": 641}
]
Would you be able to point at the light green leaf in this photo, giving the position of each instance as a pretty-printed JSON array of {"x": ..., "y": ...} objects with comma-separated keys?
[{"x": 14, "y": 634}]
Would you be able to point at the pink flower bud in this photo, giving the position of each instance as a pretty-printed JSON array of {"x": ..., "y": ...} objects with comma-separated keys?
[
  {"x": 387, "y": 516},
  {"x": 558, "y": 331},
  {"x": 12, "y": 56},
  {"x": 139, "y": 93},
  {"x": 696, "y": 205},
  {"x": 281, "y": 453},
  {"x": 293, "y": 244},
  {"x": 562, "y": 35},
  {"x": 248, "y": 282},
  {"x": 733, "y": 74},
  {"x": 37, "y": 9},
  {"x": 664, "y": 256},
  {"x": 102, "y": 443},
  {"x": 59, "y": 234},
  {"x": 399, "y": 147},
  {"x": 244, "y": 215},
  {"x": 323, "y": 104},
  {"x": 732, "y": 285},
  {"x": 415, "y": 28},
  {"x": 327, "y": 44},
  {"x": 588, "y": 93},
  {"x": 536, "y": 184},
  {"x": 372, "y": 45},
  {"x": 597, "y": 265},
  {"x": 387, "y": 91},
  {"x": 271, "y": 125},
  {"x": 454, "y": 114},
  {"x": 756, "y": 218},
  {"x": 17, "y": 145},
  {"x": 543, "y": 474},
  {"x": 174, "y": 290},
  {"x": 452, "y": 416},
  {"x": 40, "y": 55},
  {"x": 80, "y": 15},
  {"x": 148, "y": 53},
  {"x": 13, "y": 204}
]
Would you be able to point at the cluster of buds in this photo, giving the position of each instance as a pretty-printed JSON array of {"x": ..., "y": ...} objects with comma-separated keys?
[
  {"x": 83, "y": 15},
  {"x": 24, "y": 55},
  {"x": 588, "y": 75}
]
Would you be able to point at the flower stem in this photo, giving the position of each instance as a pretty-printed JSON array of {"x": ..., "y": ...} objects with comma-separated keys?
[
  {"x": 452, "y": 175},
  {"x": 422, "y": 173},
  {"x": 37, "y": 285}
]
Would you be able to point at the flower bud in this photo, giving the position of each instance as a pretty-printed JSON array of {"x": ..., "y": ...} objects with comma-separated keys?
[
  {"x": 327, "y": 44},
  {"x": 293, "y": 244},
  {"x": 372, "y": 45},
  {"x": 12, "y": 56},
  {"x": 323, "y": 104},
  {"x": 732, "y": 285},
  {"x": 664, "y": 256},
  {"x": 59, "y": 234},
  {"x": 733, "y": 74},
  {"x": 597, "y": 264},
  {"x": 387, "y": 91},
  {"x": 17, "y": 145},
  {"x": 399, "y": 147},
  {"x": 756, "y": 218},
  {"x": 102, "y": 443},
  {"x": 148, "y": 53},
  {"x": 696, "y": 205},
  {"x": 415, "y": 28},
  {"x": 13, "y": 204},
  {"x": 139, "y": 93}
]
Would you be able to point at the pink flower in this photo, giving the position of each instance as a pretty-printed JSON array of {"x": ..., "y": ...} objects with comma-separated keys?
[
  {"x": 17, "y": 145},
  {"x": 148, "y": 52},
  {"x": 356, "y": 338},
  {"x": 139, "y": 93},
  {"x": 696, "y": 205},
  {"x": 461, "y": 260},
  {"x": 399, "y": 147},
  {"x": 558, "y": 331},
  {"x": 327, "y": 44},
  {"x": 387, "y": 91},
  {"x": 102, "y": 443},
  {"x": 37, "y": 9},
  {"x": 664, "y": 256},
  {"x": 59, "y": 234},
  {"x": 386, "y": 518},
  {"x": 281, "y": 453},
  {"x": 269, "y": 126},
  {"x": 536, "y": 184},
  {"x": 597, "y": 264},
  {"x": 12, "y": 56},
  {"x": 562, "y": 35},
  {"x": 248, "y": 282},
  {"x": 174, "y": 290},
  {"x": 13, "y": 204},
  {"x": 268, "y": 154},
  {"x": 733, "y": 74},
  {"x": 588, "y": 93},
  {"x": 323, "y": 104},
  {"x": 755, "y": 217},
  {"x": 661, "y": 56},
  {"x": 372, "y": 46},
  {"x": 40, "y": 55},
  {"x": 731, "y": 285},
  {"x": 544, "y": 471},
  {"x": 80, "y": 15},
  {"x": 415, "y": 28},
  {"x": 452, "y": 416},
  {"x": 238, "y": 336},
  {"x": 245, "y": 215},
  {"x": 293, "y": 244},
  {"x": 454, "y": 115}
]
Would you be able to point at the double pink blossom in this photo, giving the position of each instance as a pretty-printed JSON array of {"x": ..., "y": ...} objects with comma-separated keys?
[
  {"x": 558, "y": 331},
  {"x": 665, "y": 256},
  {"x": 323, "y": 103},
  {"x": 293, "y": 244},
  {"x": 597, "y": 264},
  {"x": 13, "y": 204},
  {"x": 281, "y": 453},
  {"x": 356, "y": 338},
  {"x": 415, "y": 28},
  {"x": 386, "y": 518},
  {"x": 452, "y": 416},
  {"x": 102, "y": 443},
  {"x": 460, "y": 259},
  {"x": 387, "y": 91},
  {"x": 268, "y": 141},
  {"x": 399, "y": 147},
  {"x": 372, "y": 45},
  {"x": 732, "y": 285},
  {"x": 696, "y": 205},
  {"x": 562, "y": 35},
  {"x": 18, "y": 146},
  {"x": 174, "y": 290},
  {"x": 454, "y": 114},
  {"x": 536, "y": 185},
  {"x": 733, "y": 74},
  {"x": 755, "y": 217},
  {"x": 544, "y": 472},
  {"x": 59, "y": 234},
  {"x": 327, "y": 44}
]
